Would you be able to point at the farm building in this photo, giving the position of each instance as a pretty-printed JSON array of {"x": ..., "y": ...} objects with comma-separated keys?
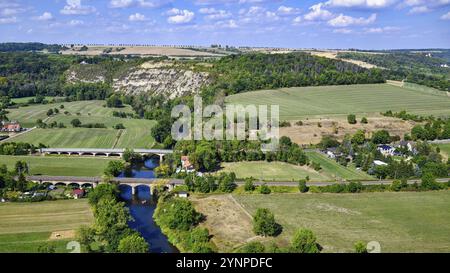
[
  {"x": 11, "y": 127},
  {"x": 386, "y": 150}
]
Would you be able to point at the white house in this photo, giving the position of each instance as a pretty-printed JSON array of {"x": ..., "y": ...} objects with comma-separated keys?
[
  {"x": 379, "y": 163},
  {"x": 386, "y": 150}
]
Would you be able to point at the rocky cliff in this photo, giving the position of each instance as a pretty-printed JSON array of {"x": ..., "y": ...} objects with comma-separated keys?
[{"x": 150, "y": 78}]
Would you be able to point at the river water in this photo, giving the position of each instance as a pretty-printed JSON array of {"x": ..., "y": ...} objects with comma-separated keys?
[{"x": 142, "y": 206}]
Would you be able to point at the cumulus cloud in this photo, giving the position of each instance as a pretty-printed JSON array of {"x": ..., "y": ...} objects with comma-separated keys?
[
  {"x": 214, "y": 14},
  {"x": 75, "y": 7},
  {"x": 343, "y": 31},
  {"x": 284, "y": 10},
  {"x": 178, "y": 16},
  {"x": 120, "y": 3},
  {"x": 8, "y": 20},
  {"x": 446, "y": 16},
  {"x": 381, "y": 30},
  {"x": 419, "y": 9},
  {"x": 361, "y": 3},
  {"x": 318, "y": 13},
  {"x": 154, "y": 3},
  {"x": 137, "y": 17},
  {"x": 44, "y": 17},
  {"x": 344, "y": 20}
]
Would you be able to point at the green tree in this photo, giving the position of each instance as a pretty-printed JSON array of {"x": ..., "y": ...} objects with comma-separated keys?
[
  {"x": 50, "y": 112},
  {"x": 103, "y": 191},
  {"x": 264, "y": 223},
  {"x": 359, "y": 137},
  {"x": 177, "y": 214},
  {"x": 133, "y": 243},
  {"x": 249, "y": 186},
  {"x": 304, "y": 241},
  {"x": 429, "y": 182},
  {"x": 114, "y": 168},
  {"x": 302, "y": 186},
  {"x": 351, "y": 119},
  {"x": 75, "y": 123},
  {"x": 381, "y": 137}
]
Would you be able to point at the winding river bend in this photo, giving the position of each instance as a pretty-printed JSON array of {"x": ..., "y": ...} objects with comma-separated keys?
[{"x": 142, "y": 206}]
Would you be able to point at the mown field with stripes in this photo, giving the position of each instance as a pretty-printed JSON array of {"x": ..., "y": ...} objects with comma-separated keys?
[
  {"x": 137, "y": 132},
  {"x": 330, "y": 101}
]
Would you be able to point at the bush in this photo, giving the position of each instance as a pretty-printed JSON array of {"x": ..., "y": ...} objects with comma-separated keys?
[
  {"x": 264, "y": 189},
  {"x": 264, "y": 223},
  {"x": 351, "y": 119},
  {"x": 364, "y": 120},
  {"x": 302, "y": 186},
  {"x": 133, "y": 244},
  {"x": 429, "y": 182},
  {"x": 252, "y": 247},
  {"x": 119, "y": 126},
  {"x": 360, "y": 247},
  {"x": 304, "y": 241},
  {"x": 354, "y": 187},
  {"x": 249, "y": 186}
]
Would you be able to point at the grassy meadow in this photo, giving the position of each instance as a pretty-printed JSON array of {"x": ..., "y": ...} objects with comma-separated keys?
[
  {"x": 400, "y": 222},
  {"x": 280, "y": 171},
  {"x": 59, "y": 166},
  {"x": 135, "y": 135},
  {"x": 26, "y": 226},
  {"x": 328, "y": 101}
]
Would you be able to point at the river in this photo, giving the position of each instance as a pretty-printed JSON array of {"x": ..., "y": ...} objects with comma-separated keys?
[{"x": 142, "y": 212}]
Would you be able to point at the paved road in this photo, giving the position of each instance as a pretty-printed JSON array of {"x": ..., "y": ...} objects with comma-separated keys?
[{"x": 181, "y": 182}]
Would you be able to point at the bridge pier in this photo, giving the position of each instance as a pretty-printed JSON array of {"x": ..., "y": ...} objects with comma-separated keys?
[
  {"x": 133, "y": 190},
  {"x": 161, "y": 157}
]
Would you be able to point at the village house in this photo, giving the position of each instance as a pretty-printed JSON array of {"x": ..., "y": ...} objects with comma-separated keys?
[
  {"x": 78, "y": 193},
  {"x": 186, "y": 165},
  {"x": 386, "y": 150},
  {"x": 12, "y": 126}
]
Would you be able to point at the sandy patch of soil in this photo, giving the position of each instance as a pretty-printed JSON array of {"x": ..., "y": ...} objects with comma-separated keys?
[
  {"x": 228, "y": 223},
  {"x": 333, "y": 55},
  {"x": 311, "y": 133}
]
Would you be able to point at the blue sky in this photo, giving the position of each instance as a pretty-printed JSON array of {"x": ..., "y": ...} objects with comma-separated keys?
[{"x": 366, "y": 24}]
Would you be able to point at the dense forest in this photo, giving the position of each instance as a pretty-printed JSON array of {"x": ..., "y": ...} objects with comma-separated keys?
[
  {"x": 417, "y": 68},
  {"x": 16, "y": 47}
]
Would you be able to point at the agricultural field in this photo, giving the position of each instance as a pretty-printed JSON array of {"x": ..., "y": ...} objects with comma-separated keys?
[
  {"x": 272, "y": 171},
  {"x": 280, "y": 171},
  {"x": 331, "y": 101},
  {"x": 27, "y": 99},
  {"x": 59, "y": 165},
  {"x": 400, "y": 222},
  {"x": 137, "y": 132},
  {"x": 26, "y": 226}
]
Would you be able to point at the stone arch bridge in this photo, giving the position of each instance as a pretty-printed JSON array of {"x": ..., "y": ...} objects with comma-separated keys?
[
  {"x": 80, "y": 182},
  {"x": 102, "y": 152}
]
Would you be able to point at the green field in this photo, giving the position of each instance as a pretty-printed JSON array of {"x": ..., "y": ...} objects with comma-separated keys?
[
  {"x": 445, "y": 148},
  {"x": 400, "y": 222},
  {"x": 135, "y": 135},
  {"x": 280, "y": 171},
  {"x": 27, "y": 99},
  {"x": 337, "y": 171},
  {"x": 59, "y": 166},
  {"x": 26, "y": 226},
  {"x": 325, "y": 101},
  {"x": 272, "y": 171}
]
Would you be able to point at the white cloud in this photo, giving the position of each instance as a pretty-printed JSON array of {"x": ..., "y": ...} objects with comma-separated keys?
[
  {"x": 317, "y": 13},
  {"x": 44, "y": 17},
  {"x": 446, "y": 16},
  {"x": 227, "y": 24},
  {"x": 361, "y": 3},
  {"x": 297, "y": 20},
  {"x": 379, "y": 30},
  {"x": 120, "y": 3},
  {"x": 178, "y": 16},
  {"x": 154, "y": 3},
  {"x": 283, "y": 10},
  {"x": 137, "y": 17},
  {"x": 74, "y": 23},
  {"x": 8, "y": 20},
  {"x": 344, "y": 20},
  {"x": 214, "y": 14},
  {"x": 74, "y": 7},
  {"x": 343, "y": 31},
  {"x": 419, "y": 9}
]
